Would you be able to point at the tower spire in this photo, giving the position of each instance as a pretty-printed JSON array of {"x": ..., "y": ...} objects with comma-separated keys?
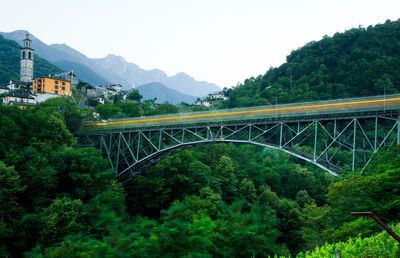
[{"x": 26, "y": 71}]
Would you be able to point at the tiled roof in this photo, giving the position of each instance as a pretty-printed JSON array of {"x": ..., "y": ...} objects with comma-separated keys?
[{"x": 21, "y": 94}]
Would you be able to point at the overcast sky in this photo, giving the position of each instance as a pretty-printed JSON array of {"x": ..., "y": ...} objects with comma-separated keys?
[{"x": 220, "y": 41}]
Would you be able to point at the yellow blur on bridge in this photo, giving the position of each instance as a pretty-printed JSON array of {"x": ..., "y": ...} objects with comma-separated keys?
[{"x": 353, "y": 106}]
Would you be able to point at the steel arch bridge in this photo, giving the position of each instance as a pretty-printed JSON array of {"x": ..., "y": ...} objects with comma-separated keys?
[{"x": 333, "y": 143}]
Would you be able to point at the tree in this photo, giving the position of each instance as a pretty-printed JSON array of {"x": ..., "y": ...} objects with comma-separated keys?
[
  {"x": 316, "y": 220},
  {"x": 64, "y": 216},
  {"x": 107, "y": 110},
  {"x": 247, "y": 190},
  {"x": 134, "y": 95},
  {"x": 245, "y": 234},
  {"x": 302, "y": 198},
  {"x": 225, "y": 172},
  {"x": 10, "y": 209},
  {"x": 81, "y": 172},
  {"x": 166, "y": 109},
  {"x": 131, "y": 109}
]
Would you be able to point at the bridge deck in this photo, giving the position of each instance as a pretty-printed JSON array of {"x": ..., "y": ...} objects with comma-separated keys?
[{"x": 334, "y": 108}]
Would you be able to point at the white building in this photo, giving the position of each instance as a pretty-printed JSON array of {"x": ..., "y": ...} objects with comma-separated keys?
[
  {"x": 217, "y": 96},
  {"x": 4, "y": 89},
  {"x": 108, "y": 90},
  {"x": 204, "y": 103},
  {"x": 21, "y": 99},
  {"x": 11, "y": 86}
]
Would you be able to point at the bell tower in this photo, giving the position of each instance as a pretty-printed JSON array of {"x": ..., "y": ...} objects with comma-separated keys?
[{"x": 26, "y": 71}]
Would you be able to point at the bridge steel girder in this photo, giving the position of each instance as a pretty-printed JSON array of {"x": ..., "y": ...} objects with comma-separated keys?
[{"x": 333, "y": 144}]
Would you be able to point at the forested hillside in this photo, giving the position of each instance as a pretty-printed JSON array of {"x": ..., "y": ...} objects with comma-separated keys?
[
  {"x": 219, "y": 200},
  {"x": 358, "y": 62},
  {"x": 10, "y": 62}
]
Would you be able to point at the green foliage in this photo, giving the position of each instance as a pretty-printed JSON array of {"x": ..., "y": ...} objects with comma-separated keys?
[
  {"x": 10, "y": 209},
  {"x": 380, "y": 245},
  {"x": 81, "y": 172},
  {"x": 131, "y": 109},
  {"x": 165, "y": 109},
  {"x": 67, "y": 108},
  {"x": 315, "y": 219},
  {"x": 214, "y": 200},
  {"x": 107, "y": 110},
  {"x": 46, "y": 185},
  {"x": 245, "y": 234},
  {"x": 134, "y": 95},
  {"x": 61, "y": 218},
  {"x": 212, "y": 177}
]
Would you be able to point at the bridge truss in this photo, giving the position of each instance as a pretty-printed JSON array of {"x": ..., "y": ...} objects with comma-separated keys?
[{"x": 332, "y": 143}]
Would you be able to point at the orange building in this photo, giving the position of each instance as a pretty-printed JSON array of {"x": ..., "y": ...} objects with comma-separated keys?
[{"x": 52, "y": 85}]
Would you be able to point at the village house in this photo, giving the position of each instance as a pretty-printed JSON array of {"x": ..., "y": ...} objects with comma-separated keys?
[
  {"x": 108, "y": 90},
  {"x": 51, "y": 85},
  {"x": 215, "y": 96},
  {"x": 4, "y": 89},
  {"x": 11, "y": 86},
  {"x": 21, "y": 99},
  {"x": 68, "y": 76},
  {"x": 204, "y": 103}
]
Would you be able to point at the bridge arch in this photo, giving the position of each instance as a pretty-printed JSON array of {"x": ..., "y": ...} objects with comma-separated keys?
[{"x": 154, "y": 158}]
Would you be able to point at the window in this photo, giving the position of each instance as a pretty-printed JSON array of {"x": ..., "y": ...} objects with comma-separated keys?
[
  {"x": 29, "y": 55},
  {"x": 56, "y": 87},
  {"x": 63, "y": 83},
  {"x": 23, "y": 54},
  {"x": 55, "y": 91},
  {"x": 55, "y": 82},
  {"x": 63, "y": 88}
]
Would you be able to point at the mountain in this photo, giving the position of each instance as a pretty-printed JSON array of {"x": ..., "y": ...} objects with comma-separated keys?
[
  {"x": 163, "y": 94},
  {"x": 117, "y": 66},
  {"x": 10, "y": 62},
  {"x": 111, "y": 68},
  {"x": 358, "y": 62}
]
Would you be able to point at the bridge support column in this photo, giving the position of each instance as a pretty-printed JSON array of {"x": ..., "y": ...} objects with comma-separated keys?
[
  {"x": 398, "y": 130},
  {"x": 315, "y": 140},
  {"x": 376, "y": 133},
  {"x": 354, "y": 144},
  {"x": 119, "y": 148}
]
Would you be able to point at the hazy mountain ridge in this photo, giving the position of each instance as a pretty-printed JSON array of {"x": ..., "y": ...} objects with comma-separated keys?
[
  {"x": 112, "y": 68},
  {"x": 133, "y": 74},
  {"x": 163, "y": 94}
]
